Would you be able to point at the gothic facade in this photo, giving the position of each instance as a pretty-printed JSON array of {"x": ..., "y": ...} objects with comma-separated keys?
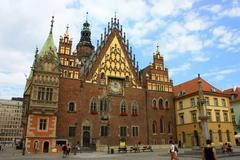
[{"x": 96, "y": 95}]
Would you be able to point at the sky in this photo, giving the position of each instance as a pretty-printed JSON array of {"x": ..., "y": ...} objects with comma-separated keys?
[{"x": 194, "y": 36}]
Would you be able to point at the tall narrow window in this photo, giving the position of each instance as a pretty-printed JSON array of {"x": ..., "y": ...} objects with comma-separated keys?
[
  {"x": 228, "y": 136},
  {"x": 93, "y": 106},
  {"x": 166, "y": 104},
  {"x": 225, "y": 116},
  {"x": 194, "y": 117},
  {"x": 43, "y": 124},
  {"x": 169, "y": 127},
  {"x": 72, "y": 131},
  {"x": 209, "y": 115},
  {"x": 160, "y": 103},
  {"x": 207, "y": 101},
  {"x": 134, "y": 109},
  {"x": 181, "y": 119},
  {"x": 192, "y": 102},
  {"x": 41, "y": 93},
  {"x": 183, "y": 137},
  {"x": 223, "y": 103},
  {"x": 218, "y": 117},
  {"x": 123, "y": 131},
  {"x": 211, "y": 135},
  {"x": 180, "y": 105},
  {"x": 103, "y": 105},
  {"x": 154, "y": 127},
  {"x": 220, "y": 135},
  {"x": 104, "y": 131},
  {"x": 71, "y": 107},
  {"x": 161, "y": 125},
  {"x": 135, "y": 131},
  {"x": 215, "y": 101},
  {"x": 123, "y": 109},
  {"x": 154, "y": 104}
]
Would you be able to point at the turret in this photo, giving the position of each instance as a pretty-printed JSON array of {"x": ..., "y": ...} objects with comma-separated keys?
[{"x": 84, "y": 46}]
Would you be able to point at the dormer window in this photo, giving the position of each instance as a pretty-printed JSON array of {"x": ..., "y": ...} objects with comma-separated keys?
[
  {"x": 181, "y": 93},
  {"x": 213, "y": 89}
]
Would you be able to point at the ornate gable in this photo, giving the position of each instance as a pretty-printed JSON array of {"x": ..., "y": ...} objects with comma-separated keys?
[{"x": 113, "y": 61}]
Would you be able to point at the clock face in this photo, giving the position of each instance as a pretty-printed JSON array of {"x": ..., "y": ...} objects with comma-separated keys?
[{"x": 115, "y": 86}]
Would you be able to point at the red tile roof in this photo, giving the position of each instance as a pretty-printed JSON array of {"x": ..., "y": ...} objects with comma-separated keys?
[
  {"x": 191, "y": 86},
  {"x": 234, "y": 91}
]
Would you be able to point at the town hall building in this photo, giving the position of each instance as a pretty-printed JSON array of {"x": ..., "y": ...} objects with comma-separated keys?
[{"x": 96, "y": 95}]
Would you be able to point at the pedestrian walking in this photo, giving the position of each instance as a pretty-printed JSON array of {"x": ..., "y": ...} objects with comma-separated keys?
[
  {"x": 173, "y": 151},
  {"x": 64, "y": 149},
  {"x": 209, "y": 151},
  {"x": 68, "y": 149}
]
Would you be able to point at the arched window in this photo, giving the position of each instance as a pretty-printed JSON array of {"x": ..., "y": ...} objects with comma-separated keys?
[
  {"x": 220, "y": 135},
  {"x": 123, "y": 108},
  {"x": 166, "y": 104},
  {"x": 183, "y": 137},
  {"x": 93, "y": 106},
  {"x": 161, "y": 125},
  {"x": 169, "y": 127},
  {"x": 103, "y": 105},
  {"x": 160, "y": 103},
  {"x": 154, "y": 104},
  {"x": 154, "y": 127},
  {"x": 71, "y": 107},
  {"x": 211, "y": 135},
  {"x": 102, "y": 76},
  {"x": 134, "y": 109},
  {"x": 228, "y": 136}
]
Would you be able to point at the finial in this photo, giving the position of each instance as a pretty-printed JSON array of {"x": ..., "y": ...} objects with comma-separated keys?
[
  {"x": 36, "y": 50},
  {"x": 127, "y": 45},
  {"x": 105, "y": 32},
  {"x": 97, "y": 43},
  {"x": 86, "y": 16},
  {"x": 121, "y": 30},
  {"x": 52, "y": 21},
  {"x": 157, "y": 47},
  {"x": 137, "y": 66},
  {"x": 67, "y": 27},
  {"x": 108, "y": 27},
  {"x": 124, "y": 37},
  {"x": 134, "y": 59}
]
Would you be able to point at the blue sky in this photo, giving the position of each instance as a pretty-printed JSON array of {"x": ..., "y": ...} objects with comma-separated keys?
[{"x": 194, "y": 36}]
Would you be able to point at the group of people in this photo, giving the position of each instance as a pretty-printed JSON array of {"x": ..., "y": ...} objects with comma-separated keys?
[
  {"x": 208, "y": 153},
  {"x": 227, "y": 148},
  {"x": 66, "y": 150}
]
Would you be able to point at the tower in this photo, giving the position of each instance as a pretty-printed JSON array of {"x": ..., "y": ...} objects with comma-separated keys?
[
  {"x": 84, "y": 46},
  {"x": 41, "y": 98}
]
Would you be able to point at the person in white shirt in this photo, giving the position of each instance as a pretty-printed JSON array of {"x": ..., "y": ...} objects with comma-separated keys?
[{"x": 173, "y": 151}]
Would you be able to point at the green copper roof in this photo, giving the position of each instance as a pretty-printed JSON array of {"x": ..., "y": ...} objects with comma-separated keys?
[{"x": 48, "y": 47}]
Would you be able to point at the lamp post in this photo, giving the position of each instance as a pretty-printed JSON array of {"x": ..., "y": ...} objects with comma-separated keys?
[{"x": 202, "y": 112}]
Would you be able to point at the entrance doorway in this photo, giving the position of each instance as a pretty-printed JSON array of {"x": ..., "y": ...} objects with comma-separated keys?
[
  {"x": 195, "y": 138},
  {"x": 86, "y": 136},
  {"x": 46, "y": 147}
]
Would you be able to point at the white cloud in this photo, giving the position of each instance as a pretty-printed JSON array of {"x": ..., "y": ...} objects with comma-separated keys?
[
  {"x": 226, "y": 38},
  {"x": 221, "y": 73},
  {"x": 183, "y": 68},
  {"x": 164, "y": 8},
  {"x": 233, "y": 12}
]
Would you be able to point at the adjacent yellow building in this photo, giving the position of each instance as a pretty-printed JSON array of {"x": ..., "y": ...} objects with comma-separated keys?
[{"x": 216, "y": 108}]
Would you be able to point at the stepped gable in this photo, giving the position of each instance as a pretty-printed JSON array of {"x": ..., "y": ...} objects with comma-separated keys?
[{"x": 112, "y": 53}]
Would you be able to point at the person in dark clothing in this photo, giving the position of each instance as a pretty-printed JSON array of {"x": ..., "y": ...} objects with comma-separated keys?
[
  {"x": 64, "y": 149},
  {"x": 209, "y": 152}
]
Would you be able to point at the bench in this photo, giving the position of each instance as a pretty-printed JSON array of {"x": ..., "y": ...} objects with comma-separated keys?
[{"x": 147, "y": 148}]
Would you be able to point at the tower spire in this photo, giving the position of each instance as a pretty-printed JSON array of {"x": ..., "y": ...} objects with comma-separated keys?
[
  {"x": 86, "y": 16},
  {"x": 66, "y": 33},
  {"x": 52, "y": 21}
]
